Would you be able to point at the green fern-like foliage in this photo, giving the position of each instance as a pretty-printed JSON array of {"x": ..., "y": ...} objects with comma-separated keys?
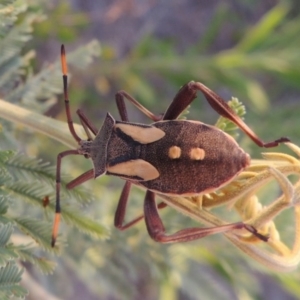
[
  {"x": 10, "y": 276},
  {"x": 10, "y": 273},
  {"x": 25, "y": 226},
  {"x": 228, "y": 126},
  {"x": 23, "y": 184}
]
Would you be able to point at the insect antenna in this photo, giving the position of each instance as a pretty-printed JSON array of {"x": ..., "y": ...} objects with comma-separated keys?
[
  {"x": 65, "y": 153},
  {"x": 66, "y": 96}
]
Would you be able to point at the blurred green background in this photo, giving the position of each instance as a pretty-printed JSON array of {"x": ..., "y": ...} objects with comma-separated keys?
[{"x": 241, "y": 48}]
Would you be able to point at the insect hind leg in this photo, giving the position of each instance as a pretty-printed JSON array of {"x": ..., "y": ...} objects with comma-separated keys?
[
  {"x": 157, "y": 232},
  {"x": 222, "y": 108}
]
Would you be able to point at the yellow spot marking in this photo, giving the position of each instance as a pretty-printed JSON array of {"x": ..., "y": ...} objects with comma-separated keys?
[
  {"x": 174, "y": 152},
  {"x": 197, "y": 154},
  {"x": 143, "y": 135},
  {"x": 137, "y": 167}
]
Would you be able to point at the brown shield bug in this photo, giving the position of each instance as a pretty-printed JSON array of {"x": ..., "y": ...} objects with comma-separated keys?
[{"x": 169, "y": 156}]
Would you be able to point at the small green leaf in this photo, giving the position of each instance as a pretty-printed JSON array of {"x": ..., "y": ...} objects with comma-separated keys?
[
  {"x": 10, "y": 277},
  {"x": 84, "y": 224},
  {"x": 39, "y": 230},
  {"x": 26, "y": 254},
  {"x": 225, "y": 124}
]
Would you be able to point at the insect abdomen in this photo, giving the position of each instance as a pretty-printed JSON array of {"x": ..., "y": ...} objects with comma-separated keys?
[{"x": 193, "y": 158}]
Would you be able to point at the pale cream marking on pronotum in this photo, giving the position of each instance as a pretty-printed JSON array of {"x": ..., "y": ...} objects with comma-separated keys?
[
  {"x": 174, "y": 152},
  {"x": 137, "y": 167},
  {"x": 143, "y": 135},
  {"x": 197, "y": 154}
]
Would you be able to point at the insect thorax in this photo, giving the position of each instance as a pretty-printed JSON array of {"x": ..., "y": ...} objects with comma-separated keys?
[{"x": 97, "y": 149}]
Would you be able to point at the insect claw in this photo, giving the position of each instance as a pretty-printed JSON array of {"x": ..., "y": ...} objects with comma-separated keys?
[
  {"x": 283, "y": 140},
  {"x": 276, "y": 142},
  {"x": 254, "y": 231}
]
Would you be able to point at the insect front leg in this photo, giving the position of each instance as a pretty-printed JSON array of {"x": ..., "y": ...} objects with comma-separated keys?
[
  {"x": 58, "y": 183},
  {"x": 86, "y": 125}
]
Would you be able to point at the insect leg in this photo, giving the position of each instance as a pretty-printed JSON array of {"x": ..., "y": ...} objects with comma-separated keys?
[
  {"x": 86, "y": 123},
  {"x": 67, "y": 103},
  {"x": 121, "y": 209},
  {"x": 222, "y": 108},
  {"x": 81, "y": 179},
  {"x": 156, "y": 228},
  {"x": 58, "y": 182},
  {"x": 121, "y": 95},
  {"x": 181, "y": 101}
]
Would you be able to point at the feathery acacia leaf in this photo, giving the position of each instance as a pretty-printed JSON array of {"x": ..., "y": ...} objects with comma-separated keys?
[
  {"x": 25, "y": 179},
  {"x": 30, "y": 169},
  {"x": 45, "y": 265},
  {"x": 3, "y": 204},
  {"x": 10, "y": 276},
  {"x": 7, "y": 253},
  {"x": 39, "y": 230},
  {"x": 47, "y": 83},
  {"x": 83, "y": 223},
  {"x": 225, "y": 124}
]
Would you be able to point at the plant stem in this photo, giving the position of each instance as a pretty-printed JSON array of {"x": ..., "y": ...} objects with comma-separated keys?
[{"x": 55, "y": 129}]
